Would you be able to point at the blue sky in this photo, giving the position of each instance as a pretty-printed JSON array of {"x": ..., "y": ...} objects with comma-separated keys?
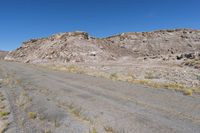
[{"x": 21, "y": 20}]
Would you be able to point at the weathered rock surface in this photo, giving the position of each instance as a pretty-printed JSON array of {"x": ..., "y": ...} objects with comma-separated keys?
[
  {"x": 170, "y": 57},
  {"x": 80, "y": 47}
]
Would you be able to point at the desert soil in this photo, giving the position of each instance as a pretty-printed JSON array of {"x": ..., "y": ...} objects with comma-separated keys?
[{"x": 40, "y": 100}]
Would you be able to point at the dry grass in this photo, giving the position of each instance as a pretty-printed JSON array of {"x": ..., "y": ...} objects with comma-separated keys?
[
  {"x": 77, "y": 112},
  {"x": 151, "y": 75},
  {"x": 196, "y": 90},
  {"x": 47, "y": 131},
  {"x": 56, "y": 123},
  {"x": 2, "y": 99},
  {"x": 130, "y": 78},
  {"x": 188, "y": 92},
  {"x": 32, "y": 115},
  {"x": 11, "y": 81},
  {"x": 70, "y": 68},
  {"x": 193, "y": 63},
  {"x": 171, "y": 86},
  {"x": 4, "y": 113},
  {"x": 174, "y": 86},
  {"x": 93, "y": 130},
  {"x": 23, "y": 99},
  {"x": 109, "y": 129},
  {"x": 71, "y": 106},
  {"x": 3, "y": 127},
  {"x": 198, "y": 77},
  {"x": 114, "y": 76}
]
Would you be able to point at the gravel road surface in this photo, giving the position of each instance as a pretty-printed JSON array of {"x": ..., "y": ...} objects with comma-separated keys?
[{"x": 38, "y": 100}]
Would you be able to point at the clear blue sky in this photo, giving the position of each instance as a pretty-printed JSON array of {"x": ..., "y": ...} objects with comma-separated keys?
[{"x": 21, "y": 20}]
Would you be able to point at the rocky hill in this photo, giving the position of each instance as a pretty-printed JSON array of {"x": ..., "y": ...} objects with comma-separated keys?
[
  {"x": 80, "y": 47},
  {"x": 164, "y": 58}
]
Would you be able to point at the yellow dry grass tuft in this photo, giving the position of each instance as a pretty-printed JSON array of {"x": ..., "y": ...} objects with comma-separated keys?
[
  {"x": 47, "y": 131},
  {"x": 109, "y": 129},
  {"x": 70, "y": 68},
  {"x": 188, "y": 92},
  {"x": 93, "y": 130},
  {"x": 114, "y": 76},
  {"x": 32, "y": 115},
  {"x": 23, "y": 99},
  {"x": 4, "y": 113}
]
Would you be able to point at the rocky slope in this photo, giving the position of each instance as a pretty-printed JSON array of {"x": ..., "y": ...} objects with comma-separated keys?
[
  {"x": 80, "y": 47},
  {"x": 164, "y": 59}
]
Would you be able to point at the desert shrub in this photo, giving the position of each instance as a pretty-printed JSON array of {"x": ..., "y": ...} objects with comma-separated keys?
[
  {"x": 143, "y": 82},
  {"x": 188, "y": 92},
  {"x": 198, "y": 77},
  {"x": 74, "y": 69},
  {"x": 172, "y": 86},
  {"x": 150, "y": 75},
  {"x": 4, "y": 113},
  {"x": 47, "y": 131},
  {"x": 130, "y": 78},
  {"x": 109, "y": 129},
  {"x": 113, "y": 76},
  {"x": 193, "y": 63},
  {"x": 32, "y": 115},
  {"x": 56, "y": 43},
  {"x": 93, "y": 130},
  {"x": 77, "y": 112}
]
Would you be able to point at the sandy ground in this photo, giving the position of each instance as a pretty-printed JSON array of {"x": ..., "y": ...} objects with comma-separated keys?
[{"x": 43, "y": 101}]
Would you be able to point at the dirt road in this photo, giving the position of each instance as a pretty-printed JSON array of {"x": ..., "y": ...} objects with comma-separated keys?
[{"x": 43, "y": 101}]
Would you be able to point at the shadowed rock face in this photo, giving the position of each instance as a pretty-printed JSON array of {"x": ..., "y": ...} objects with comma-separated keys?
[
  {"x": 80, "y": 47},
  {"x": 3, "y": 54}
]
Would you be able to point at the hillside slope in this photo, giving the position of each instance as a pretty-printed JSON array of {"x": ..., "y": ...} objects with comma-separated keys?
[
  {"x": 80, "y": 47},
  {"x": 162, "y": 59}
]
